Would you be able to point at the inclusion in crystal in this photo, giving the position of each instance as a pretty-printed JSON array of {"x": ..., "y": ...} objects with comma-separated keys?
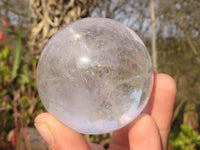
[{"x": 95, "y": 75}]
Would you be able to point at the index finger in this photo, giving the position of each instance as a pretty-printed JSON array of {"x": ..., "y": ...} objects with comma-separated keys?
[{"x": 161, "y": 105}]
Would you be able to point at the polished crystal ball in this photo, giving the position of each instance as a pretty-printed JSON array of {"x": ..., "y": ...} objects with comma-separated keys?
[{"x": 95, "y": 75}]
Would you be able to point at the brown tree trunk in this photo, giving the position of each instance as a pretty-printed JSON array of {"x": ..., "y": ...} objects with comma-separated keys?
[{"x": 153, "y": 23}]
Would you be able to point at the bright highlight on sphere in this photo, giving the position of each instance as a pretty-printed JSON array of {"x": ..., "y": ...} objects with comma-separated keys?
[{"x": 95, "y": 75}]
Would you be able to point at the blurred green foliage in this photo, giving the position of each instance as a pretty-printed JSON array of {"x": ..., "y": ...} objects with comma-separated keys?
[
  {"x": 19, "y": 101},
  {"x": 186, "y": 139}
]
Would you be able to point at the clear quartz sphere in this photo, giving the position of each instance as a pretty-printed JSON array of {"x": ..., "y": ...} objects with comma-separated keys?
[{"x": 95, "y": 75}]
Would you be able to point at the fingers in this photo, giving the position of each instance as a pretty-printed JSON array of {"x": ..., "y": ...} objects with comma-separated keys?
[
  {"x": 162, "y": 104},
  {"x": 147, "y": 130},
  {"x": 160, "y": 107},
  {"x": 120, "y": 140},
  {"x": 57, "y": 135},
  {"x": 144, "y": 134}
]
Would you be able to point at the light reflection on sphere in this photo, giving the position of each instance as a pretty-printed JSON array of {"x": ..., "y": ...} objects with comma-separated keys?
[{"x": 95, "y": 75}]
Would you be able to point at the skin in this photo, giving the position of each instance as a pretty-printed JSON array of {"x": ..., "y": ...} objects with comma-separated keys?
[{"x": 149, "y": 131}]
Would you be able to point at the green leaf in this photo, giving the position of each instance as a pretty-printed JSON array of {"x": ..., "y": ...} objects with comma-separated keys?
[
  {"x": 17, "y": 55},
  {"x": 25, "y": 77},
  {"x": 25, "y": 101},
  {"x": 25, "y": 118},
  {"x": 6, "y": 52}
]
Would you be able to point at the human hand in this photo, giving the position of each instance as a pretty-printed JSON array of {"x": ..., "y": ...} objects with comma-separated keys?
[{"x": 149, "y": 131}]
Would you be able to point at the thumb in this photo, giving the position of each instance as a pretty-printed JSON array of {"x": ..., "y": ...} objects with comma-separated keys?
[{"x": 57, "y": 135}]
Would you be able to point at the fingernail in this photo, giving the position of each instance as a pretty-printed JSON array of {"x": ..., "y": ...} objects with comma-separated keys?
[{"x": 46, "y": 134}]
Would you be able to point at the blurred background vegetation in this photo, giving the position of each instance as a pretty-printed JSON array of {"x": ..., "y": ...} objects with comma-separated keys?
[{"x": 170, "y": 30}]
